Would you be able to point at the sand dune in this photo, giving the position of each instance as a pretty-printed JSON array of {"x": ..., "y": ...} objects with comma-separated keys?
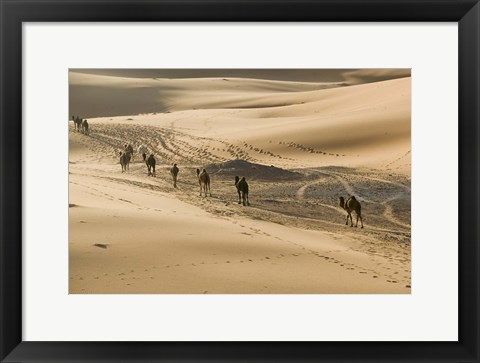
[
  {"x": 347, "y": 76},
  {"x": 366, "y": 125},
  {"x": 301, "y": 145},
  {"x": 98, "y": 95}
]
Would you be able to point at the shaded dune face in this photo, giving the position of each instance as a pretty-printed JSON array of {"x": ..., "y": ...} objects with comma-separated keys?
[{"x": 98, "y": 95}]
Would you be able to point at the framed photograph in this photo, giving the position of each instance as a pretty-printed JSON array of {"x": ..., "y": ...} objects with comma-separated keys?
[{"x": 239, "y": 181}]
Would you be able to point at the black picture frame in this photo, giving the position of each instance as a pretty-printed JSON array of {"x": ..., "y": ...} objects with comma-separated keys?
[{"x": 14, "y": 12}]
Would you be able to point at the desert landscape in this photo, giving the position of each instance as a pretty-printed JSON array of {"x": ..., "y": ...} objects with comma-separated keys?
[{"x": 302, "y": 139}]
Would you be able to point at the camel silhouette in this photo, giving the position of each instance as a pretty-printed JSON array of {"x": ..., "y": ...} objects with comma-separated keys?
[
  {"x": 151, "y": 162},
  {"x": 174, "y": 171},
  {"x": 242, "y": 189}
]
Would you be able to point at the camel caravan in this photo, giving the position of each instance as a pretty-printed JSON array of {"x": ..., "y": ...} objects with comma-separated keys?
[
  {"x": 350, "y": 205},
  {"x": 126, "y": 156}
]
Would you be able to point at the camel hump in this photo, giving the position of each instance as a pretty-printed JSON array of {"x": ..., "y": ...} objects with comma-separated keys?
[{"x": 353, "y": 197}]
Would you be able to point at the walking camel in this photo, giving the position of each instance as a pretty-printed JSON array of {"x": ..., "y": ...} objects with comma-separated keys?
[
  {"x": 242, "y": 189},
  {"x": 151, "y": 162},
  {"x": 174, "y": 171},
  {"x": 77, "y": 121},
  {"x": 352, "y": 204},
  {"x": 85, "y": 127},
  {"x": 125, "y": 161},
  {"x": 129, "y": 148},
  {"x": 204, "y": 181}
]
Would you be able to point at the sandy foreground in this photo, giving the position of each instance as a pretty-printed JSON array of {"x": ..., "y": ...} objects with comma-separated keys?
[{"x": 300, "y": 145}]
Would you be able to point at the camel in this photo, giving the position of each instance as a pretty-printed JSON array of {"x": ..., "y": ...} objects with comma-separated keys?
[
  {"x": 151, "y": 162},
  {"x": 85, "y": 127},
  {"x": 130, "y": 150},
  {"x": 77, "y": 122},
  {"x": 174, "y": 171},
  {"x": 125, "y": 161},
  {"x": 204, "y": 181},
  {"x": 352, "y": 204},
  {"x": 242, "y": 189}
]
